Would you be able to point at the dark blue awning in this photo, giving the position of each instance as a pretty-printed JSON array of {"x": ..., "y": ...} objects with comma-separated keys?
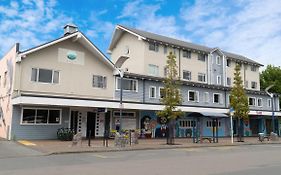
[{"x": 213, "y": 115}]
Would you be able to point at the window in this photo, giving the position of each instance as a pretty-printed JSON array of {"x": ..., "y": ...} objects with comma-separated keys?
[
  {"x": 153, "y": 70},
  {"x": 269, "y": 103},
  {"x": 201, "y": 77},
  {"x": 217, "y": 98},
  {"x": 253, "y": 85},
  {"x": 219, "y": 79},
  {"x": 186, "y": 75},
  {"x": 228, "y": 81},
  {"x": 246, "y": 84},
  {"x": 187, "y": 123},
  {"x": 253, "y": 68},
  {"x": 211, "y": 123},
  {"x": 44, "y": 75},
  {"x": 161, "y": 92},
  {"x": 152, "y": 92},
  {"x": 99, "y": 81},
  {"x": 252, "y": 101},
  {"x": 165, "y": 49},
  {"x": 41, "y": 116},
  {"x": 201, "y": 57},
  {"x": 206, "y": 97},
  {"x": 228, "y": 63},
  {"x": 259, "y": 102},
  {"x": 218, "y": 60},
  {"x": 186, "y": 54},
  {"x": 128, "y": 84},
  {"x": 193, "y": 96},
  {"x": 5, "y": 78},
  {"x": 228, "y": 99},
  {"x": 153, "y": 47}
]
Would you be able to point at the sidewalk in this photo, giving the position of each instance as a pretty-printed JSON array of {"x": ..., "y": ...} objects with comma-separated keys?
[{"x": 59, "y": 147}]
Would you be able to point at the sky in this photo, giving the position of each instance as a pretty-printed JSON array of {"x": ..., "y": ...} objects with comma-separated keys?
[{"x": 248, "y": 27}]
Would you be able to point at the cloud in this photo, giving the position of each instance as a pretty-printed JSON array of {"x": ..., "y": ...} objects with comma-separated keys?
[
  {"x": 30, "y": 23},
  {"x": 251, "y": 28}
]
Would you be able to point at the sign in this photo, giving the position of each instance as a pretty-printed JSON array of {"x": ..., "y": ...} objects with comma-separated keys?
[
  {"x": 259, "y": 112},
  {"x": 231, "y": 111},
  {"x": 102, "y": 110}
]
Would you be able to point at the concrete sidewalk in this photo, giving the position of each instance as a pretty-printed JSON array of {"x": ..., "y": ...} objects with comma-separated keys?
[{"x": 59, "y": 147}]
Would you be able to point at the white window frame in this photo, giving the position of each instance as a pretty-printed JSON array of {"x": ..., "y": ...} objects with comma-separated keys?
[
  {"x": 154, "y": 66},
  {"x": 256, "y": 84},
  {"x": 160, "y": 91},
  {"x": 137, "y": 84},
  {"x": 255, "y": 101},
  {"x": 196, "y": 93},
  {"x": 219, "y": 79},
  {"x": 228, "y": 78},
  {"x": 37, "y": 76},
  {"x": 152, "y": 87},
  {"x": 218, "y": 60},
  {"x": 156, "y": 47},
  {"x": 104, "y": 82},
  {"x": 188, "y": 54},
  {"x": 199, "y": 58},
  {"x": 258, "y": 102},
  {"x": 220, "y": 98},
  {"x": 34, "y": 108},
  {"x": 201, "y": 74},
  {"x": 269, "y": 103},
  {"x": 253, "y": 68},
  {"x": 228, "y": 61},
  {"x": 189, "y": 74}
]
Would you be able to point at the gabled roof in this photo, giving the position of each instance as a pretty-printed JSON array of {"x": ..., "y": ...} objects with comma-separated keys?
[
  {"x": 173, "y": 42},
  {"x": 76, "y": 37}
]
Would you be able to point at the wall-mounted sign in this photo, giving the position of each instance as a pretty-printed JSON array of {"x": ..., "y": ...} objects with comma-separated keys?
[{"x": 71, "y": 55}]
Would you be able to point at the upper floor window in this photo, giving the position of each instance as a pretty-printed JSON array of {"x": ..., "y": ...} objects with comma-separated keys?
[
  {"x": 217, "y": 98},
  {"x": 201, "y": 57},
  {"x": 219, "y": 80},
  {"x": 153, "y": 70},
  {"x": 161, "y": 92},
  {"x": 259, "y": 102},
  {"x": 228, "y": 81},
  {"x": 193, "y": 96},
  {"x": 201, "y": 77},
  {"x": 206, "y": 97},
  {"x": 5, "y": 78},
  {"x": 165, "y": 49},
  {"x": 152, "y": 92},
  {"x": 218, "y": 60},
  {"x": 186, "y": 54},
  {"x": 186, "y": 75},
  {"x": 99, "y": 81},
  {"x": 253, "y": 68},
  {"x": 154, "y": 47},
  {"x": 253, "y": 85},
  {"x": 269, "y": 103},
  {"x": 44, "y": 75},
  {"x": 41, "y": 116},
  {"x": 252, "y": 101},
  {"x": 127, "y": 84},
  {"x": 228, "y": 63},
  {"x": 246, "y": 84}
]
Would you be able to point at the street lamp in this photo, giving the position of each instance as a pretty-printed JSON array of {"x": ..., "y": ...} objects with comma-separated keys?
[
  {"x": 120, "y": 71},
  {"x": 231, "y": 112},
  {"x": 271, "y": 96}
]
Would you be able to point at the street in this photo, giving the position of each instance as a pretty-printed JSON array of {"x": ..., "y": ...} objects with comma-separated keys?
[{"x": 253, "y": 159}]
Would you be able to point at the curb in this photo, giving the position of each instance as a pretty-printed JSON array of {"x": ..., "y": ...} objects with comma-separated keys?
[{"x": 154, "y": 148}]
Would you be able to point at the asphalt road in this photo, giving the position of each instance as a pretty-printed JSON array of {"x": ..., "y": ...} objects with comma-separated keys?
[{"x": 254, "y": 159}]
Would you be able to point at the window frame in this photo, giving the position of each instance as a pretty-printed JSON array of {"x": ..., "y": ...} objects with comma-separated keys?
[
  {"x": 42, "y": 124},
  {"x": 259, "y": 105},
  {"x": 255, "y": 101},
  {"x": 228, "y": 63},
  {"x": 218, "y": 79},
  {"x": 155, "y": 46},
  {"x": 137, "y": 82},
  {"x": 196, "y": 93},
  {"x": 160, "y": 92},
  {"x": 255, "y": 83},
  {"x": 104, "y": 78},
  {"x": 206, "y": 100},
  {"x": 228, "y": 81},
  {"x": 269, "y": 103},
  {"x": 219, "y": 100},
  {"x": 218, "y": 60},
  {"x": 200, "y": 56},
  {"x": 190, "y": 75},
  {"x": 253, "y": 68},
  {"x": 188, "y": 54},
  {"x": 201, "y": 74},
  {"x": 37, "y": 76},
  {"x": 154, "y": 66},
  {"x": 155, "y": 91}
]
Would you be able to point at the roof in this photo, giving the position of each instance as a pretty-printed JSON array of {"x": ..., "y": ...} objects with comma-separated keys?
[
  {"x": 76, "y": 36},
  {"x": 212, "y": 115},
  {"x": 179, "y": 43}
]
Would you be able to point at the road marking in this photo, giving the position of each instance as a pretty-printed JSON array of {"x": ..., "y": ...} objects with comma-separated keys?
[
  {"x": 26, "y": 143},
  {"x": 222, "y": 148},
  {"x": 189, "y": 149},
  {"x": 100, "y": 156}
]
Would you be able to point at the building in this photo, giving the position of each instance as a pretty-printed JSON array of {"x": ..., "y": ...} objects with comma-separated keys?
[
  {"x": 70, "y": 83},
  {"x": 207, "y": 75}
]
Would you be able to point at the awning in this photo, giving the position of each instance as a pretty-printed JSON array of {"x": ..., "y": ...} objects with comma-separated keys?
[{"x": 213, "y": 115}]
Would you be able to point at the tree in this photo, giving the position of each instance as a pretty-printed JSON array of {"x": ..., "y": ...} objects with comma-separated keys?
[
  {"x": 172, "y": 97},
  {"x": 239, "y": 101},
  {"x": 271, "y": 75}
]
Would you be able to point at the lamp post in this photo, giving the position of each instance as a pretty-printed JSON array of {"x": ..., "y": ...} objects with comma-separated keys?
[
  {"x": 231, "y": 112},
  {"x": 120, "y": 71},
  {"x": 272, "y": 106}
]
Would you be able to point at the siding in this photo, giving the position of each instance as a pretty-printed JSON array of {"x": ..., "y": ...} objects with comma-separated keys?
[{"x": 36, "y": 131}]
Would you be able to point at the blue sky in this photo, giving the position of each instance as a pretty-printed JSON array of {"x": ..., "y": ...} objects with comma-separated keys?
[{"x": 248, "y": 27}]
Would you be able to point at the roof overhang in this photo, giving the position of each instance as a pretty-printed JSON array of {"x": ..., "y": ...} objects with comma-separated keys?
[{"x": 213, "y": 115}]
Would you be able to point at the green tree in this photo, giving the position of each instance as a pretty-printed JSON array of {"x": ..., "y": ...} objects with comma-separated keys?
[
  {"x": 239, "y": 101},
  {"x": 271, "y": 75},
  {"x": 172, "y": 97}
]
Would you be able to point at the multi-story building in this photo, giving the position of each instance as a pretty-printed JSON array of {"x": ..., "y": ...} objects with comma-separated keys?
[
  {"x": 70, "y": 83},
  {"x": 206, "y": 73}
]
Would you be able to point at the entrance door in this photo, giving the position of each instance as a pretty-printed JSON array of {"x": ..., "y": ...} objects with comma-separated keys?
[
  {"x": 74, "y": 121},
  {"x": 91, "y": 123},
  {"x": 268, "y": 125},
  {"x": 254, "y": 126}
]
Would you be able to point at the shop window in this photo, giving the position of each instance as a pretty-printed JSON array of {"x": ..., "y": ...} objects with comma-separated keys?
[{"x": 41, "y": 116}]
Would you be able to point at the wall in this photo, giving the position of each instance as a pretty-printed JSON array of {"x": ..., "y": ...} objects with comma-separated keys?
[{"x": 7, "y": 64}]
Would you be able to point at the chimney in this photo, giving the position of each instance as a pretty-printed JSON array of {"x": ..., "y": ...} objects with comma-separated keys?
[{"x": 70, "y": 28}]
